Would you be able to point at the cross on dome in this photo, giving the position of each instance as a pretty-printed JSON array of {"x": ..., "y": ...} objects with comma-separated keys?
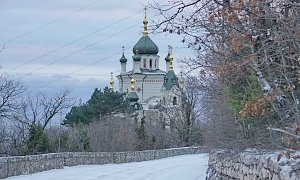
[
  {"x": 170, "y": 49},
  {"x": 145, "y": 8},
  {"x": 145, "y": 22}
]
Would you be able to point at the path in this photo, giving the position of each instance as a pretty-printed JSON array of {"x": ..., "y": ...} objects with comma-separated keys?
[{"x": 185, "y": 167}]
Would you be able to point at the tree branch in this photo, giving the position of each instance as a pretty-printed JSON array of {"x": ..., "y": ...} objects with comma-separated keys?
[{"x": 284, "y": 132}]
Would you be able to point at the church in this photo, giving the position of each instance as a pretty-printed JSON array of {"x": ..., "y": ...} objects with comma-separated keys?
[{"x": 146, "y": 85}]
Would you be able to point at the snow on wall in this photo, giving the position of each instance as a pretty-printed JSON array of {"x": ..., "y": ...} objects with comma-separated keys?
[
  {"x": 254, "y": 164},
  {"x": 21, "y": 165}
]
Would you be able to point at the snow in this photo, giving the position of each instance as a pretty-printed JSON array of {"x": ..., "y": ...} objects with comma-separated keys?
[{"x": 176, "y": 168}]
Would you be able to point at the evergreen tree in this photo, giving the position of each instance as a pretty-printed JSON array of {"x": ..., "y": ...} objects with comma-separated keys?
[
  {"x": 38, "y": 141},
  {"x": 78, "y": 114},
  {"x": 101, "y": 103}
]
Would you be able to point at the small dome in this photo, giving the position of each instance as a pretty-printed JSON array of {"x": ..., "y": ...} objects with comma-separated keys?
[
  {"x": 137, "y": 57},
  {"x": 123, "y": 59},
  {"x": 132, "y": 97},
  {"x": 169, "y": 58},
  {"x": 132, "y": 81},
  {"x": 111, "y": 82},
  {"x": 145, "y": 46}
]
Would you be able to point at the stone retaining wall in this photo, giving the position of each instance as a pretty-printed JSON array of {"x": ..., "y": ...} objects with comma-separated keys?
[
  {"x": 253, "y": 164},
  {"x": 21, "y": 165}
]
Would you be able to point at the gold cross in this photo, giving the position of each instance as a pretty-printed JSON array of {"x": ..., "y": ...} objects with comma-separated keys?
[
  {"x": 145, "y": 8},
  {"x": 170, "y": 49}
]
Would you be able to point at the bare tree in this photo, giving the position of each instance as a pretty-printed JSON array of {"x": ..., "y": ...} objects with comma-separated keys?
[
  {"x": 235, "y": 40},
  {"x": 16, "y": 137},
  {"x": 3, "y": 138},
  {"x": 30, "y": 113},
  {"x": 41, "y": 109},
  {"x": 10, "y": 93},
  {"x": 181, "y": 117},
  {"x": 112, "y": 133},
  {"x": 18, "y": 115}
]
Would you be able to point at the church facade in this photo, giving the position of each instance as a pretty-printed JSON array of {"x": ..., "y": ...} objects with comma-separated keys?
[{"x": 146, "y": 84}]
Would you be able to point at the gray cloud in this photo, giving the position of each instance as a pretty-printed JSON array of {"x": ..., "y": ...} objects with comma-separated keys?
[
  {"x": 21, "y": 16},
  {"x": 80, "y": 88}
]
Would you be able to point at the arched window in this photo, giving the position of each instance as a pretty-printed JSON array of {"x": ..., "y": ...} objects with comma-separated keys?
[
  {"x": 174, "y": 100},
  {"x": 144, "y": 63},
  {"x": 150, "y": 63},
  {"x": 155, "y": 64}
]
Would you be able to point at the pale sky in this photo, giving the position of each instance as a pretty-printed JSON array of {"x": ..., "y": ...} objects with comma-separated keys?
[{"x": 49, "y": 60}]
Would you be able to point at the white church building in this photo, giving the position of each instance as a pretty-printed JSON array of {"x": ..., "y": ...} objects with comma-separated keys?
[{"x": 146, "y": 84}]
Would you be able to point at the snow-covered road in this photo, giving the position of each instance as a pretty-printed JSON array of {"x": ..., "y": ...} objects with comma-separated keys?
[{"x": 186, "y": 167}]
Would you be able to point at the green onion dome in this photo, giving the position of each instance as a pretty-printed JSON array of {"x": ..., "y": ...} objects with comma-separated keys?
[
  {"x": 132, "y": 97},
  {"x": 145, "y": 46},
  {"x": 123, "y": 59},
  {"x": 137, "y": 57}
]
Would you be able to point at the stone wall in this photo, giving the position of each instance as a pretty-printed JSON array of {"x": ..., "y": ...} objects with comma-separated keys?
[
  {"x": 253, "y": 164},
  {"x": 14, "y": 166},
  {"x": 21, "y": 165}
]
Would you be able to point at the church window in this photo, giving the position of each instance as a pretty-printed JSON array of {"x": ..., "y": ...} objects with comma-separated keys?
[
  {"x": 164, "y": 100},
  {"x": 174, "y": 100},
  {"x": 155, "y": 64},
  {"x": 144, "y": 63},
  {"x": 150, "y": 63}
]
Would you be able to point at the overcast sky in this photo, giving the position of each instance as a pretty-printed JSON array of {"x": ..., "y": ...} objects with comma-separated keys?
[{"x": 48, "y": 59}]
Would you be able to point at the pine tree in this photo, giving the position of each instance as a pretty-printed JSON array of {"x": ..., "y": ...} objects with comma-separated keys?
[
  {"x": 38, "y": 141},
  {"x": 101, "y": 103}
]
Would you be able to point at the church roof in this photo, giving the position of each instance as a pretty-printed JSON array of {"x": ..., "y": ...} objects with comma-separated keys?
[
  {"x": 149, "y": 72},
  {"x": 171, "y": 80},
  {"x": 145, "y": 46}
]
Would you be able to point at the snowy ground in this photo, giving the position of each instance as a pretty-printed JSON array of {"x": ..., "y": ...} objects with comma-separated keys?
[{"x": 186, "y": 167}]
